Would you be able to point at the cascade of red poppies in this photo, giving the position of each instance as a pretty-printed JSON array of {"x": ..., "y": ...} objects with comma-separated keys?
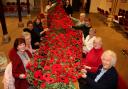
[
  {"x": 57, "y": 18},
  {"x": 57, "y": 62}
]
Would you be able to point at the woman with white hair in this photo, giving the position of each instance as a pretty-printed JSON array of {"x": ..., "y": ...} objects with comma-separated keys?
[
  {"x": 27, "y": 37},
  {"x": 93, "y": 57},
  {"x": 88, "y": 41},
  {"x": 106, "y": 76}
]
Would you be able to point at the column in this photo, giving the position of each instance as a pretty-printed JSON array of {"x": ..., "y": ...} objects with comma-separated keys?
[
  {"x": 76, "y": 5},
  {"x": 20, "y": 24},
  {"x": 71, "y": 2},
  {"x": 42, "y": 6},
  {"x": 112, "y": 13},
  {"x": 6, "y": 37},
  {"x": 117, "y": 7},
  {"x": 28, "y": 10},
  {"x": 28, "y": 7},
  {"x": 114, "y": 7}
]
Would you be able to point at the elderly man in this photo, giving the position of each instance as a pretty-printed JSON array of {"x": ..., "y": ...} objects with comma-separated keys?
[
  {"x": 82, "y": 24},
  {"x": 106, "y": 76}
]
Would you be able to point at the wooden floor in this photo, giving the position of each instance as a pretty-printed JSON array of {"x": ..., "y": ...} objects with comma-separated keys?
[{"x": 113, "y": 39}]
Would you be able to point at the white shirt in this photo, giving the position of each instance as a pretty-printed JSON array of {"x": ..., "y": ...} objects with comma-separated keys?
[
  {"x": 88, "y": 43},
  {"x": 100, "y": 75}
]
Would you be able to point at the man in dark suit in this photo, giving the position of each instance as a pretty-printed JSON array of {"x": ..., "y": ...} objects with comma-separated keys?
[
  {"x": 106, "y": 76},
  {"x": 68, "y": 8},
  {"x": 87, "y": 6}
]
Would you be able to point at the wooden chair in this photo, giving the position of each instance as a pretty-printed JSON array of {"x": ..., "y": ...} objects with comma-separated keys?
[
  {"x": 110, "y": 10},
  {"x": 8, "y": 3},
  {"x": 106, "y": 13},
  {"x": 126, "y": 15},
  {"x": 12, "y": 9}
]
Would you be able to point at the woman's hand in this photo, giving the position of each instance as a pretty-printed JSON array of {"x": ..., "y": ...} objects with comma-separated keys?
[
  {"x": 84, "y": 76},
  {"x": 83, "y": 71},
  {"x": 42, "y": 32},
  {"x": 46, "y": 29},
  {"x": 22, "y": 76},
  {"x": 87, "y": 67},
  {"x": 37, "y": 43},
  {"x": 84, "y": 51}
]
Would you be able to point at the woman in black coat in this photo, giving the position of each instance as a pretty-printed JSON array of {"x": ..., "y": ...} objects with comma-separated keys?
[
  {"x": 68, "y": 8},
  {"x": 35, "y": 38},
  {"x": 106, "y": 76},
  {"x": 87, "y": 6}
]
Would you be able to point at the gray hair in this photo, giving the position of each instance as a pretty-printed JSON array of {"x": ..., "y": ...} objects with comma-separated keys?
[
  {"x": 111, "y": 54},
  {"x": 92, "y": 29},
  {"x": 83, "y": 15},
  {"x": 99, "y": 40},
  {"x": 26, "y": 35}
]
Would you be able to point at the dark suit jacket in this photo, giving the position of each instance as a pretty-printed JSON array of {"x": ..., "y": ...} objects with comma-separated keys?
[
  {"x": 68, "y": 9},
  {"x": 18, "y": 68},
  {"x": 34, "y": 37},
  {"x": 83, "y": 28},
  {"x": 108, "y": 81}
]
